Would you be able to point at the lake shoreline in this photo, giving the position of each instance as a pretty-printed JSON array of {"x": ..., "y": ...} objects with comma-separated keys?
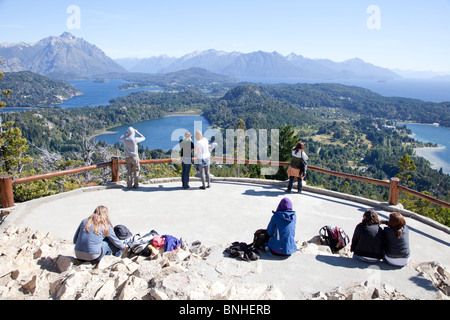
[{"x": 429, "y": 153}]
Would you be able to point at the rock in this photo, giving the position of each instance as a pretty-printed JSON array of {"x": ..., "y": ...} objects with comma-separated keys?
[
  {"x": 148, "y": 270},
  {"x": 30, "y": 286},
  {"x": 107, "y": 291},
  {"x": 34, "y": 266},
  {"x": 63, "y": 263}
]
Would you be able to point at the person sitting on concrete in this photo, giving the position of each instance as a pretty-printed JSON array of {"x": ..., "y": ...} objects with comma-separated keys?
[
  {"x": 95, "y": 237},
  {"x": 367, "y": 238},
  {"x": 281, "y": 229},
  {"x": 396, "y": 241},
  {"x": 130, "y": 140}
]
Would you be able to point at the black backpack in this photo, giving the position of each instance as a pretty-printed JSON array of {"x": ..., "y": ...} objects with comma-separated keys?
[
  {"x": 334, "y": 237},
  {"x": 260, "y": 238}
]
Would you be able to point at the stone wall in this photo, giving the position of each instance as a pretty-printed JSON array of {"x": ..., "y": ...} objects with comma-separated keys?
[{"x": 41, "y": 267}]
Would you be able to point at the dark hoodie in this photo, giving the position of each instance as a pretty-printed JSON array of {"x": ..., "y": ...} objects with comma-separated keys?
[{"x": 281, "y": 229}]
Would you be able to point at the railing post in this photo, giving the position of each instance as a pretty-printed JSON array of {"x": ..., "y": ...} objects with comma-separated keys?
[
  {"x": 393, "y": 191},
  {"x": 115, "y": 169},
  {"x": 6, "y": 190}
]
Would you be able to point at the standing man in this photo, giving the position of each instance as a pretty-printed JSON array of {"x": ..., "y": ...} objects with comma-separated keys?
[
  {"x": 187, "y": 148},
  {"x": 131, "y": 139}
]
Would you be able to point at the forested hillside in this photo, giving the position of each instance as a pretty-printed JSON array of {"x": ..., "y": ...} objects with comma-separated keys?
[
  {"x": 29, "y": 89},
  {"x": 341, "y": 126}
]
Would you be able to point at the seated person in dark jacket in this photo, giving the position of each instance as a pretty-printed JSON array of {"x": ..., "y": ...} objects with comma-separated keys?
[
  {"x": 368, "y": 238},
  {"x": 396, "y": 241}
]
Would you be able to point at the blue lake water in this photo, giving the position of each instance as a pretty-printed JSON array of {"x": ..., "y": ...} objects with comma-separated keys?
[
  {"x": 98, "y": 93},
  {"x": 439, "y": 157},
  {"x": 433, "y": 90},
  {"x": 162, "y": 133}
]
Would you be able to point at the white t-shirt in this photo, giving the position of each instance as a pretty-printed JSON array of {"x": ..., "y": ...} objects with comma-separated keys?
[{"x": 203, "y": 150}]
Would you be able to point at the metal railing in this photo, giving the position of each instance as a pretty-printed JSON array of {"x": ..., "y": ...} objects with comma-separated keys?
[{"x": 7, "y": 182}]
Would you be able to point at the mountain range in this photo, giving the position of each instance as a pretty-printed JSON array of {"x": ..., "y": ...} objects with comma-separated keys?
[
  {"x": 261, "y": 64},
  {"x": 68, "y": 57}
]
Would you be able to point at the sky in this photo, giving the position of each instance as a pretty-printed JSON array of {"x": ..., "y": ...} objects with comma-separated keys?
[{"x": 407, "y": 35}]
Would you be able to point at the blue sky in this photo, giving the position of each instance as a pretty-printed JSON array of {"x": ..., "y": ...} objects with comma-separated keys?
[{"x": 410, "y": 35}]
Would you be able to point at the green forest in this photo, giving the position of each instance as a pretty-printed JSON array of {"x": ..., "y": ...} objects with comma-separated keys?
[{"x": 346, "y": 129}]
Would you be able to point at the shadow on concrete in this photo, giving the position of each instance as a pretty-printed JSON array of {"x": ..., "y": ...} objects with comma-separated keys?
[{"x": 346, "y": 262}]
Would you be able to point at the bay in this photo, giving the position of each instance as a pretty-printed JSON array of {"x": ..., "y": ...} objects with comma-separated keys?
[
  {"x": 164, "y": 133},
  {"x": 440, "y": 156},
  {"x": 98, "y": 93}
]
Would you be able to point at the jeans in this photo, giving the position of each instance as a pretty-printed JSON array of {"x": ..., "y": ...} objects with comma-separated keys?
[
  {"x": 204, "y": 172},
  {"x": 108, "y": 248},
  {"x": 185, "y": 170},
  {"x": 366, "y": 259}
]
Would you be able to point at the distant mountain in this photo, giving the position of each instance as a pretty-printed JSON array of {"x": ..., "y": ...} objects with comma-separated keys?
[
  {"x": 63, "y": 57},
  {"x": 264, "y": 64}
]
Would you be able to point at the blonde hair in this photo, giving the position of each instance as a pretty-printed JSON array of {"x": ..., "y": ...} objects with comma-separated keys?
[
  {"x": 100, "y": 218},
  {"x": 198, "y": 135}
]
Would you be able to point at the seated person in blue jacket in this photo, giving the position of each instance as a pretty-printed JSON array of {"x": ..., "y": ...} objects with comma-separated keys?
[
  {"x": 281, "y": 229},
  {"x": 95, "y": 237}
]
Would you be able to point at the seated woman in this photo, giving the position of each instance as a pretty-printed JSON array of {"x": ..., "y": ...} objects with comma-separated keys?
[
  {"x": 367, "y": 238},
  {"x": 281, "y": 229},
  {"x": 95, "y": 237},
  {"x": 396, "y": 241}
]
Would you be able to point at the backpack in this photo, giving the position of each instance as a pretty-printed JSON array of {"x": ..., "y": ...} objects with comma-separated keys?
[
  {"x": 139, "y": 244},
  {"x": 260, "y": 239},
  {"x": 303, "y": 164},
  {"x": 334, "y": 237}
]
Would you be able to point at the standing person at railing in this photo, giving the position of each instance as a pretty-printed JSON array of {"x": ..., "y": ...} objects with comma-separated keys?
[
  {"x": 297, "y": 167},
  {"x": 130, "y": 140},
  {"x": 203, "y": 155},
  {"x": 186, "y": 150}
]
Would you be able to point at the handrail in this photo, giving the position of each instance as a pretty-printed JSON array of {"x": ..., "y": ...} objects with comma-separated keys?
[
  {"x": 424, "y": 196},
  {"x": 7, "y": 197},
  {"x": 60, "y": 173}
]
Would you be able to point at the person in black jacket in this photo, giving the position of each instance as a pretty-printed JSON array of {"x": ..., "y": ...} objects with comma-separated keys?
[
  {"x": 186, "y": 149},
  {"x": 367, "y": 240},
  {"x": 396, "y": 241}
]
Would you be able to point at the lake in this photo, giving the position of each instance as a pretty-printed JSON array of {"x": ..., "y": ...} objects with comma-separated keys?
[
  {"x": 439, "y": 157},
  {"x": 433, "y": 90},
  {"x": 99, "y": 93},
  {"x": 158, "y": 133}
]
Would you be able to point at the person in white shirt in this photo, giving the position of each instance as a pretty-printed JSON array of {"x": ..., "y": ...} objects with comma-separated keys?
[
  {"x": 201, "y": 152},
  {"x": 130, "y": 140}
]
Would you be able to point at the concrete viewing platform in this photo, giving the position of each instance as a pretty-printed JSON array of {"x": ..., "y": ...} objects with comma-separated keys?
[{"x": 232, "y": 210}]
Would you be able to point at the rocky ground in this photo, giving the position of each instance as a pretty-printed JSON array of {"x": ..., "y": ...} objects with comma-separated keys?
[{"x": 41, "y": 267}]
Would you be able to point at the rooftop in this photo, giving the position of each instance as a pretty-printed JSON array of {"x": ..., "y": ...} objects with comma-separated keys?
[{"x": 232, "y": 210}]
